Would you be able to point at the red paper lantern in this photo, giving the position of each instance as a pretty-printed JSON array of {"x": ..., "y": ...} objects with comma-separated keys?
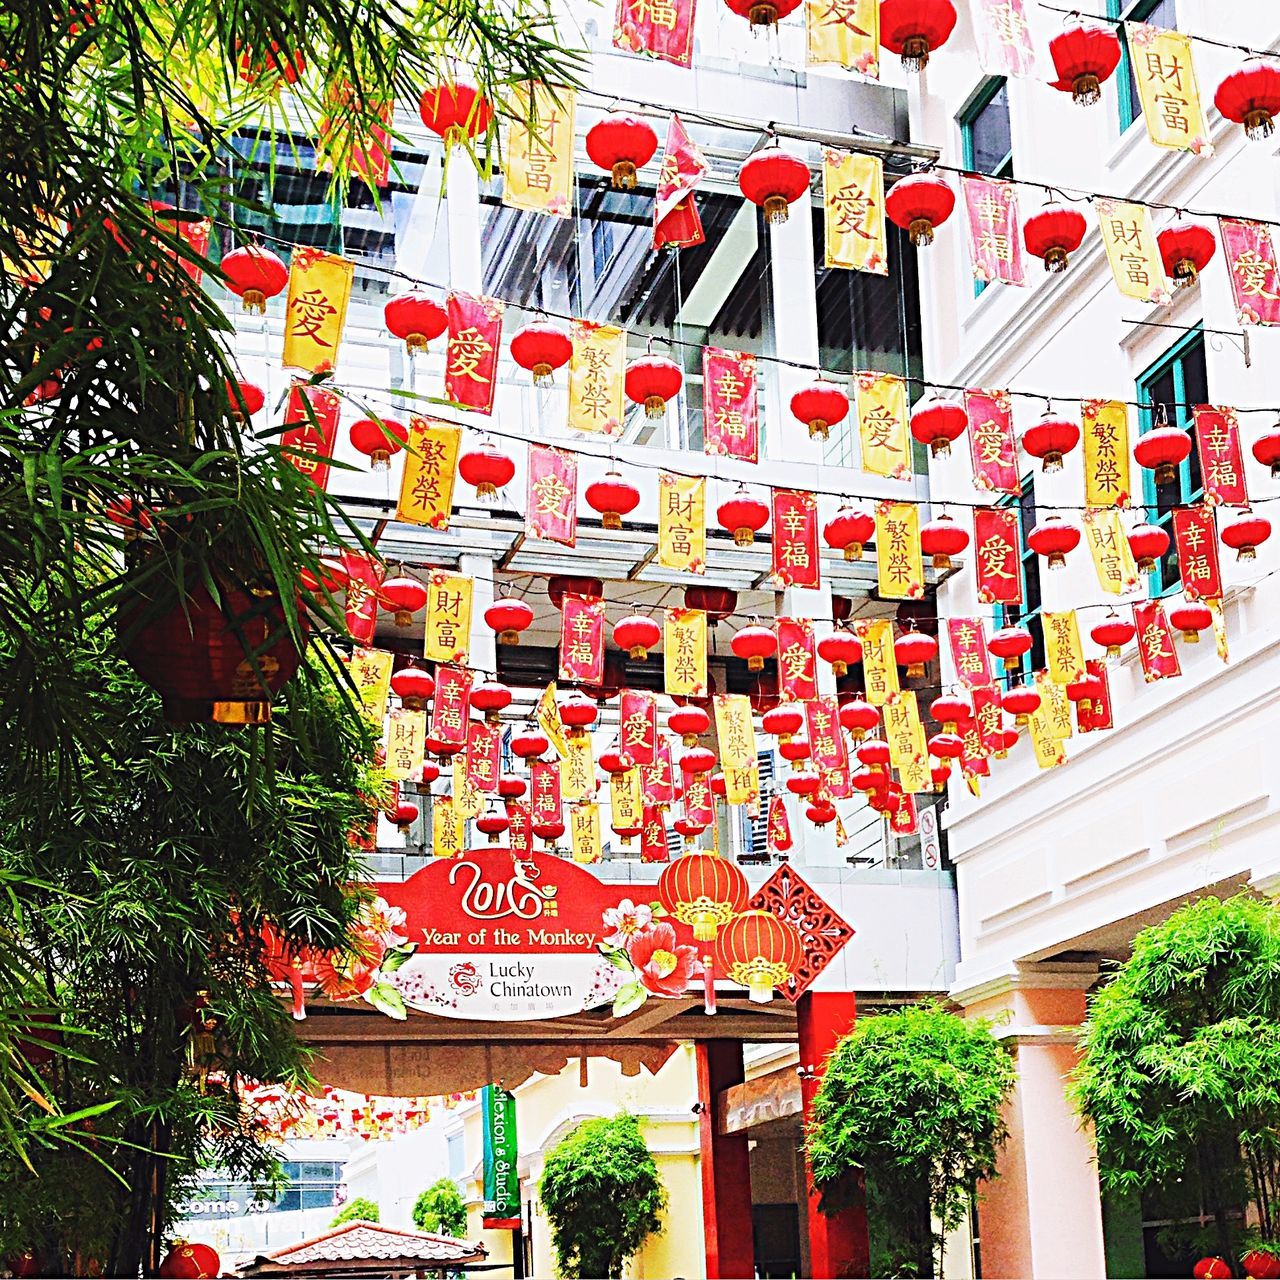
[
  {"x": 689, "y": 829},
  {"x": 560, "y": 585},
  {"x": 491, "y": 698},
  {"x": 763, "y": 13},
  {"x": 1191, "y": 618},
  {"x": 415, "y": 318},
  {"x": 859, "y": 717},
  {"x": 819, "y": 406},
  {"x": 698, "y": 760},
  {"x": 916, "y": 28},
  {"x": 455, "y": 112},
  {"x": 941, "y": 539},
  {"x": 1266, "y": 449},
  {"x": 493, "y": 822},
  {"x": 549, "y": 831},
  {"x": 949, "y": 710},
  {"x": 868, "y": 779},
  {"x": 849, "y": 530},
  {"x": 919, "y": 204},
  {"x": 613, "y": 760},
  {"x": 1010, "y": 643},
  {"x": 378, "y": 439},
  {"x": 874, "y": 753},
  {"x": 1007, "y": 740},
  {"x": 578, "y": 713},
  {"x": 443, "y": 750},
  {"x": 690, "y": 722},
  {"x": 402, "y": 597},
  {"x": 613, "y": 497},
  {"x": 186, "y": 1261},
  {"x": 542, "y": 348},
  {"x": 939, "y": 775},
  {"x": 1149, "y": 543},
  {"x": 717, "y": 603},
  {"x": 652, "y": 381},
  {"x": 529, "y": 743},
  {"x": 510, "y": 787},
  {"x": 774, "y": 178},
  {"x": 804, "y": 783},
  {"x": 276, "y": 62},
  {"x": 842, "y": 649},
  {"x": 915, "y": 651},
  {"x": 508, "y": 617},
  {"x": 1260, "y": 1265},
  {"x": 1085, "y": 55},
  {"x": 404, "y": 815},
  {"x": 1250, "y": 96},
  {"x": 703, "y": 891},
  {"x": 1244, "y": 532},
  {"x": 246, "y": 398},
  {"x": 254, "y": 274},
  {"x": 794, "y": 750},
  {"x": 1049, "y": 439},
  {"x": 946, "y": 746},
  {"x": 718, "y": 785},
  {"x": 487, "y": 469},
  {"x": 760, "y": 952},
  {"x": 1054, "y": 233},
  {"x": 1185, "y": 249},
  {"x": 782, "y": 721},
  {"x": 1113, "y": 633},
  {"x": 1021, "y": 701},
  {"x": 820, "y": 812},
  {"x": 413, "y": 686},
  {"x": 1085, "y": 689},
  {"x": 936, "y": 422},
  {"x": 622, "y": 144},
  {"x": 429, "y": 772},
  {"x": 1163, "y": 450},
  {"x": 754, "y": 643},
  {"x": 1211, "y": 1269},
  {"x": 637, "y": 635},
  {"x": 1055, "y": 539},
  {"x": 743, "y": 516}
]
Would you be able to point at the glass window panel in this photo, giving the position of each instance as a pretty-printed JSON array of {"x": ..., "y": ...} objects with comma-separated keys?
[{"x": 992, "y": 136}]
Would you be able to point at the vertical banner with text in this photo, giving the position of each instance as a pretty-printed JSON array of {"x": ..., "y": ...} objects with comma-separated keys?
[
  {"x": 471, "y": 357},
  {"x": 501, "y": 1151},
  {"x": 853, "y": 206}
]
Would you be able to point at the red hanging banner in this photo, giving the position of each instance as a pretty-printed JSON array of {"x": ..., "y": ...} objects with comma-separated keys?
[
  {"x": 996, "y": 555},
  {"x": 988, "y": 714},
  {"x": 520, "y": 832},
  {"x": 658, "y": 777},
  {"x": 730, "y": 414},
  {"x": 778, "y": 831},
  {"x": 903, "y": 818},
  {"x": 364, "y": 577},
  {"x": 797, "y": 660},
  {"x": 310, "y": 425},
  {"x": 969, "y": 657},
  {"x": 995, "y": 229},
  {"x": 699, "y": 803},
  {"x": 660, "y": 28},
  {"x": 1196, "y": 537},
  {"x": 1003, "y": 37},
  {"x": 484, "y": 755},
  {"x": 837, "y": 783},
  {"x": 653, "y": 835},
  {"x": 544, "y": 791},
  {"x": 1156, "y": 648},
  {"x": 582, "y": 639},
  {"x": 638, "y": 725},
  {"x": 827, "y": 747},
  {"x": 1255, "y": 277},
  {"x": 795, "y": 538},
  {"x": 1221, "y": 459},
  {"x": 1095, "y": 713},
  {"x": 991, "y": 444},
  {"x": 552, "y": 508},
  {"x": 451, "y": 705},
  {"x": 676, "y": 221},
  {"x": 471, "y": 358}
]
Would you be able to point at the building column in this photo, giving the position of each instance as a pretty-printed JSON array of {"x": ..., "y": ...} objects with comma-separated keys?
[
  {"x": 726, "y": 1167},
  {"x": 1042, "y": 1217},
  {"x": 838, "y": 1245}
]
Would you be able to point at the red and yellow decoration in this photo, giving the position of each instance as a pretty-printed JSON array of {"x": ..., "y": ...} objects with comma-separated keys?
[
  {"x": 853, "y": 204},
  {"x": 538, "y": 172},
  {"x": 684, "y": 652},
  {"x": 730, "y": 416},
  {"x": 471, "y": 358},
  {"x": 430, "y": 469},
  {"x": 883, "y": 434},
  {"x": 316, "y": 309},
  {"x": 899, "y": 565}
]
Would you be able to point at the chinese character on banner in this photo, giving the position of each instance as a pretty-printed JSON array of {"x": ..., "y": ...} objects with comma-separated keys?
[
  {"x": 451, "y": 705},
  {"x": 988, "y": 714},
  {"x": 1106, "y": 453},
  {"x": 699, "y": 803},
  {"x": 1047, "y": 745},
  {"x": 658, "y": 778},
  {"x": 1221, "y": 461},
  {"x": 730, "y": 416},
  {"x": 827, "y": 746},
  {"x": 742, "y": 786},
  {"x": 778, "y": 831},
  {"x": 836, "y": 784},
  {"x": 880, "y": 401},
  {"x": 797, "y": 660},
  {"x": 969, "y": 657},
  {"x": 578, "y": 770},
  {"x": 626, "y": 801},
  {"x": 903, "y": 816},
  {"x": 316, "y": 309},
  {"x": 367, "y": 156},
  {"x": 795, "y": 539},
  {"x": 1132, "y": 250},
  {"x": 899, "y": 566},
  {"x": 484, "y": 755},
  {"x": 370, "y": 672},
  {"x": 471, "y": 358},
  {"x": 1255, "y": 278},
  {"x": 582, "y": 639},
  {"x": 991, "y": 444},
  {"x": 879, "y": 667},
  {"x": 468, "y": 802},
  {"x": 552, "y": 495},
  {"x": 1062, "y": 646},
  {"x": 682, "y": 525},
  {"x": 676, "y": 221},
  {"x": 364, "y": 577},
  {"x": 995, "y": 555},
  {"x": 995, "y": 230},
  {"x": 310, "y": 425},
  {"x": 538, "y": 173},
  {"x": 844, "y": 33},
  {"x": 446, "y": 829},
  {"x": 853, "y": 205},
  {"x": 908, "y": 750},
  {"x": 430, "y": 468},
  {"x": 1054, "y": 700},
  {"x": 660, "y": 28},
  {"x": 596, "y": 375},
  {"x": 1113, "y": 560},
  {"x": 974, "y": 759},
  {"x": 735, "y": 731},
  {"x": 544, "y": 791},
  {"x": 448, "y": 630},
  {"x": 653, "y": 835},
  {"x": 638, "y": 725},
  {"x": 684, "y": 643},
  {"x": 406, "y": 739},
  {"x": 1095, "y": 713},
  {"x": 1003, "y": 37},
  {"x": 547, "y": 714},
  {"x": 1155, "y": 642},
  {"x": 1196, "y": 538},
  {"x": 520, "y": 832},
  {"x": 1166, "y": 80},
  {"x": 584, "y": 831}
]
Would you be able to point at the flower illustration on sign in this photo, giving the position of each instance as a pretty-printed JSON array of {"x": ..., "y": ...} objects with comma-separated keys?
[
  {"x": 646, "y": 950},
  {"x": 625, "y": 919}
]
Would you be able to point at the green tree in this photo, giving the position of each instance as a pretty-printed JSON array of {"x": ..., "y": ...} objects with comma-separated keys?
[
  {"x": 1180, "y": 1062},
  {"x": 602, "y": 1195},
  {"x": 441, "y": 1208},
  {"x": 357, "y": 1210},
  {"x": 911, "y": 1101}
]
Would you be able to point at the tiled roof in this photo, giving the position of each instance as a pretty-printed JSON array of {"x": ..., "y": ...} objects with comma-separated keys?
[{"x": 369, "y": 1241}]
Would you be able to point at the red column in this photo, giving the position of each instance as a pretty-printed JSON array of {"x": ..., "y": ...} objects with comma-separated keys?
[
  {"x": 726, "y": 1168},
  {"x": 838, "y": 1245}
]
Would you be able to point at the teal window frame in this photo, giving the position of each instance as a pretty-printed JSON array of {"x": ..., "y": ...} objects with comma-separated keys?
[
  {"x": 1126, "y": 90},
  {"x": 979, "y": 100},
  {"x": 1024, "y": 614}
]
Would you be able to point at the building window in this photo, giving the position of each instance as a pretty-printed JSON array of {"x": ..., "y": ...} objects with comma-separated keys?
[
  {"x": 1027, "y": 614},
  {"x": 1166, "y": 392},
  {"x": 602, "y": 246},
  {"x": 457, "y": 1155},
  {"x": 986, "y": 132},
  {"x": 1159, "y": 13}
]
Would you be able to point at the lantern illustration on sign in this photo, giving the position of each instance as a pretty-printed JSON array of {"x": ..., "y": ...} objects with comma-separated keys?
[
  {"x": 859, "y": 717},
  {"x": 637, "y": 635},
  {"x": 415, "y": 318},
  {"x": 378, "y": 439},
  {"x": 842, "y": 649},
  {"x": 652, "y": 381},
  {"x": 763, "y": 13},
  {"x": 773, "y": 178},
  {"x": 941, "y": 539},
  {"x": 1049, "y": 439},
  {"x": 820, "y": 406},
  {"x": 612, "y": 497},
  {"x": 508, "y": 617},
  {"x": 919, "y": 204},
  {"x": 1053, "y": 234},
  {"x": 402, "y": 597},
  {"x": 487, "y": 469},
  {"x": 704, "y": 891},
  {"x": 254, "y": 274},
  {"x": 1009, "y": 644},
  {"x": 1054, "y": 538},
  {"x": 849, "y": 530},
  {"x": 1163, "y": 450},
  {"x": 1244, "y": 532},
  {"x": 1113, "y": 633},
  {"x": 1149, "y": 543},
  {"x": 1186, "y": 247},
  {"x": 1250, "y": 96},
  {"x": 743, "y": 516},
  {"x": 760, "y": 952},
  {"x": 936, "y": 422},
  {"x": 754, "y": 643},
  {"x": 1191, "y": 618},
  {"x": 622, "y": 144},
  {"x": 455, "y": 112},
  {"x": 542, "y": 348},
  {"x": 914, "y": 29},
  {"x": 1085, "y": 55},
  {"x": 413, "y": 686}
]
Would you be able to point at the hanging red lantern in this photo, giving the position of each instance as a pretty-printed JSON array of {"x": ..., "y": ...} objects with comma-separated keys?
[
  {"x": 849, "y": 530},
  {"x": 842, "y": 649},
  {"x": 613, "y": 760},
  {"x": 510, "y": 787},
  {"x": 404, "y": 816},
  {"x": 919, "y": 204},
  {"x": 246, "y": 398},
  {"x": 743, "y": 516},
  {"x": 1085, "y": 55},
  {"x": 859, "y": 717},
  {"x": 1211, "y": 1269},
  {"x": 690, "y": 722},
  {"x": 941, "y": 539},
  {"x": 1049, "y": 439},
  {"x": 795, "y": 750},
  {"x": 946, "y": 746},
  {"x": 1244, "y": 532},
  {"x": 1086, "y": 689},
  {"x": 542, "y": 348},
  {"x": 773, "y": 178},
  {"x": 819, "y": 406},
  {"x": 493, "y": 822},
  {"x": 1266, "y": 449},
  {"x": 1163, "y": 450},
  {"x": 378, "y": 439},
  {"x": 622, "y": 144},
  {"x": 763, "y": 13},
  {"x": 820, "y": 812},
  {"x": 782, "y": 721},
  {"x": 868, "y": 779},
  {"x": 936, "y": 422},
  {"x": 950, "y": 710},
  {"x": 487, "y": 469},
  {"x": 718, "y": 603},
  {"x": 652, "y": 381},
  {"x": 549, "y": 832},
  {"x": 613, "y": 497},
  {"x": 915, "y": 651},
  {"x": 1009, "y": 644},
  {"x": 637, "y": 635},
  {"x": 560, "y": 585},
  {"x": 718, "y": 785},
  {"x": 415, "y": 318},
  {"x": 1021, "y": 701},
  {"x": 508, "y": 617},
  {"x": 698, "y": 760},
  {"x": 529, "y": 743},
  {"x": 402, "y": 597},
  {"x": 1053, "y": 234},
  {"x": 703, "y": 891},
  {"x": 804, "y": 783},
  {"x": 578, "y": 713},
  {"x": 254, "y": 274},
  {"x": 1261, "y": 1265},
  {"x": 1191, "y": 618},
  {"x": 939, "y": 774},
  {"x": 874, "y": 753},
  {"x": 1054, "y": 538},
  {"x": 491, "y": 698},
  {"x": 1186, "y": 247},
  {"x": 754, "y": 643},
  {"x": 916, "y": 28},
  {"x": 689, "y": 829},
  {"x": 413, "y": 686},
  {"x": 1113, "y": 633},
  {"x": 1149, "y": 543},
  {"x": 1250, "y": 96},
  {"x": 455, "y": 112},
  {"x": 186, "y": 1261},
  {"x": 443, "y": 750}
]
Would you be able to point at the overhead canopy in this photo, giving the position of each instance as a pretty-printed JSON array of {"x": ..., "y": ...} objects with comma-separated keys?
[{"x": 367, "y": 1249}]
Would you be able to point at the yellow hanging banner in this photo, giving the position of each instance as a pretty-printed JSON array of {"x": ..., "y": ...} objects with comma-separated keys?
[
  {"x": 370, "y": 671},
  {"x": 881, "y": 403},
  {"x": 1062, "y": 646},
  {"x": 1219, "y": 629},
  {"x": 538, "y": 173},
  {"x": 548, "y": 716},
  {"x": 584, "y": 831},
  {"x": 316, "y": 309},
  {"x": 1056, "y": 704},
  {"x": 596, "y": 371},
  {"x": 844, "y": 33},
  {"x": 446, "y": 828},
  {"x": 1106, "y": 453},
  {"x": 1166, "y": 79},
  {"x": 1132, "y": 251},
  {"x": 736, "y": 731},
  {"x": 908, "y": 749},
  {"x": 626, "y": 798},
  {"x": 682, "y": 523},
  {"x": 684, "y": 644},
  {"x": 448, "y": 630},
  {"x": 1113, "y": 560},
  {"x": 578, "y": 770},
  {"x": 406, "y": 742},
  {"x": 899, "y": 566},
  {"x": 430, "y": 467},
  {"x": 879, "y": 668},
  {"x": 853, "y": 211},
  {"x": 467, "y": 800},
  {"x": 742, "y": 785},
  {"x": 1049, "y": 749}
]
